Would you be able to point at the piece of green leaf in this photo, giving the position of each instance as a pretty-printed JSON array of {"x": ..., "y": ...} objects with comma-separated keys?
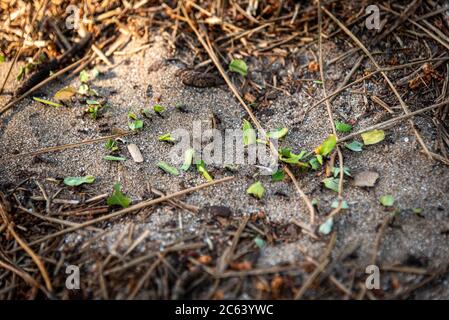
[
  {"x": 259, "y": 242},
  {"x": 343, "y": 127},
  {"x": 2, "y": 58},
  {"x": 158, "y": 108},
  {"x": 146, "y": 113},
  {"x": 314, "y": 164},
  {"x": 285, "y": 155},
  {"x": 344, "y": 204},
  {"x": 278, "y": 176},
  {"x": 319, "y": 158},
  {"x": 83, "y": 89},
  {"x": 77, "y": 181},
  {"x": 136, "y": 125},
  {"x": 113, "y": 158},
  {"x": 132, "y": 115},
  {"x": 111, "y": 145},
  {"x": 354, "y": 146},
  {"x": 95, "y": 73},
  {"x": 327, "y": 146},
  {"x": 256, "y": 189},
  {"x": 201, "y": 167},
  {"x": 331, "y": 183},
  {"x": 92, "y": 102},
  {"x": 326, "y": 227},
  {"x": 84, "y": 76},
  {"x": 373, "y": 136},
  {"x": 188, "y": 157},
  {"x": 168, "y": 168},
  {"x": 166, "y": 137},
  {"x": 336, "y": 171},
  {"x": 118, "y": 198},
  {"x": 47, "y": 102},
  {"x": 278, "y": 133},
  {"x": 318, "y": 81},
  {"x": 21, "y": 73},
  {"x": 387, "y": 200},
  {"x": 417, "y": 211},
  {"x": 249, "y": 134},
  {"x": 239, "y": 66}
]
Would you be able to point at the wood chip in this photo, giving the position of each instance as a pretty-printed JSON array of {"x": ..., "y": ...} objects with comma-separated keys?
[
  {"x": 365, "y": 179},
  {"x": 135, "y": 153}
]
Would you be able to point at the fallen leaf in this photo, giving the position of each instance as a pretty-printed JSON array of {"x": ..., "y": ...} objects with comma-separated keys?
[
  {"x": 168, "y": 168},
  {"x": 354, "y": 146},
  {"x": 344, "y": 204},
  {"x": 387, "y": 200},
  {"x": 327, "y": 146},
  {"x": 278, "y": 176},
  {"x": 113, "y": 158},
  {"x": 118, "y": 198},
  {"x": 256, "y": 189},
  {"x": 249, "y": 134},
  {"x": 65, "y": 93},
  {"x": 47, "y": 102},
  {"x": 136, "y": 125},
  {"x": 188, "y": 157},
  {"x": 278, "y": 133},
  {"x": 201, "y": 167},
  {"x": 331, "y": 183},
  {"x": 343, "y": 127},
  {"x": 365, "y": 179},
  {"x": 373, "y": 136},
  {"x": 326, "y": 227},
  {"x": 135, "y": 153},
  {"x": 239, "y": 66},
  {"x": 77, "y": 181}
]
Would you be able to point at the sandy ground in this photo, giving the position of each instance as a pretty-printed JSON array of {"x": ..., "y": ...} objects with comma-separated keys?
[{"x": 404, "y": 172}]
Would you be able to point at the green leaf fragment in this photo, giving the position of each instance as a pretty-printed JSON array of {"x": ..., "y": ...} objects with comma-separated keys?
[
  {"x": 387, "y": 200},
  {"x": 77, "y": 181},
  {"x": 344, "y": 204},
  {"x": 249, "y": 134},
  {"x": 113, "y": 158},
  {"x": 354, "y": 146},
  {"x": 259, "y": 242},
  {"x": 278, "y": 133},
  {"x": 136, "y": 125},
  {"x": 2, "y": 58},
  {"x": 111, "y": 145},
  {"x": 84, "y": 76},
  {"x": 118, "y": 198},
  {"x": 166, "y": 137},
  {"x": 158, "y": 108},
  {"x": 327, "y": 146},
  {"x": 278, "y": 176},
  {"x": 47, "y": 102},
  {"x": 373, "y": 136},
  {"x": 132, "y": 115},
  {"x": 188, "y": 158},
  {"x": 326, "y": 227},
  {"x": 331, "y": 183},
  {"x": 343, "y": 127},
  {"x": 168, "y": 168},
  {"x": 256, "y": 189},
  {"x": 201, "y": 167},
  {"x": 239, "y": 66}
]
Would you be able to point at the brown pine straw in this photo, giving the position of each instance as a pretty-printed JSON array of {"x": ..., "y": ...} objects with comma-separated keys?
[{"x": 26, "y": 248}]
